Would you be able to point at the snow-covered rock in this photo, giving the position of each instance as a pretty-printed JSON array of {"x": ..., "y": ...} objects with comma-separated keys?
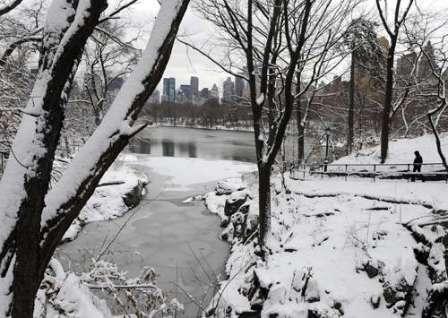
[{"x": 120, "y": 190}]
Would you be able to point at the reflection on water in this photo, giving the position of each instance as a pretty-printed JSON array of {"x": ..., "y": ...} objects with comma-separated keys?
[
  {"x": 195, "y": 143},
  {"x": 200, "y": 143},
  {"x": 169, "y": 148}
]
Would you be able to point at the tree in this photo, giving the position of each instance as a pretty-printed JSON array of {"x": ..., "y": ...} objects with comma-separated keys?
[
  {"x": 361, "y": 39},
  {"x": 108, "y": 58},
  {"x": 281, "y": 43},
  {"x": 19, "y": 41},
  {"x": 34, "y": 217},
  {"x": 393, "y": 33},
  {"x": 431, "y": 80}
]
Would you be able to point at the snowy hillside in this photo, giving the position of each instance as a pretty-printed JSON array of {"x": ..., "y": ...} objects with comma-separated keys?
[
  {"x": 400, "y": 151},
  {"x": 338, "y": 249}
]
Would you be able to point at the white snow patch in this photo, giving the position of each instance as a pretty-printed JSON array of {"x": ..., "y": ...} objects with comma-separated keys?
[{"x": 184, "y": 172}]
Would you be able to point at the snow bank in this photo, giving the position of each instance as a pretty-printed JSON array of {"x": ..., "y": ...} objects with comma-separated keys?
[
  {"x": 108, "y": 201},
  {"x": 400, "y": 151},
  {"x": 64, "y": 295},
  {"x": 430, "y": 194},
  {"x": 337, "y": 249}
]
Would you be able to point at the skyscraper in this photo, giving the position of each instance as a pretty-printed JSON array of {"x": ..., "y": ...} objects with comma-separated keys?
[
  {"x": 228, "y": 90},
  {"x": 194, "y": 83},
  {"x": 214, "y": 92},
  {"x": 205, "y": 93},
  {"x": 185, "y": 93},
  {"x": 169, "y": 90},
  {"x": 239, "y": 86}
]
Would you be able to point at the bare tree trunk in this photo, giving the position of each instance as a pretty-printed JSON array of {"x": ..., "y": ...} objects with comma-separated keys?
[
  {"x": 300, "y": 138},
  {"x": 351, "y": 106},
  {"x": 264, "y": 201},
  {"x": 393, "y": 32},
  {"x": 387, "y": 106},
  {"x": 300, "y": 126},
  {"x": 438, "y": 143},
  {"x": 360, "y": 121}
]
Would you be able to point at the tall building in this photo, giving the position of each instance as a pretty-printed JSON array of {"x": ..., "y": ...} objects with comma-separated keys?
[
  {"x": 204, "y": 93},
  {"x": 169, "y": 90},
  {"x": 214, "y": 92},
  {"x": 194, "y": 83},
  {"x": 404, "y": 67},
  {"x": 228, "y": 90},
  {"x": 185, "y": 94},
  {"x": 427, "y": 64},
  {"x": 239, "y": 86}
]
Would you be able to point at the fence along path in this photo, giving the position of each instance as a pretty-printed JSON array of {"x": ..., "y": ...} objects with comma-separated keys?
[{"x": 429, "y": 171}]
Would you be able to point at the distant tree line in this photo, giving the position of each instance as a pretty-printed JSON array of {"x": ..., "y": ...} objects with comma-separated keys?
[{"x": 210, "y": 114}]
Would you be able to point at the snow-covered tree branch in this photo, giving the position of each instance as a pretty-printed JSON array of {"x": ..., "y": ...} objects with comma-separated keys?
[{"x": 33, "y": 218}]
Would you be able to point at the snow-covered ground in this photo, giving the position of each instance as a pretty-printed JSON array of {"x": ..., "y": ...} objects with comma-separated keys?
[
  {"x": 337, "y": 249},
  {"x": 400, "y": 151}
]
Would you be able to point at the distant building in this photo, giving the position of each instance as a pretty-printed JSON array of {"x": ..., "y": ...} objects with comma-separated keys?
[
  {"x": 155, "y": 97},
  {"x": 405, "y": 64},
  {"x": 214, "y": 92},
  {"x": 185, "y": 94},
  {"x": 228, "y": 90},
  {"x": 239, "y": 86},
  {"x": 428, "y": 64},
  {"x": 204, "y": 93},
  {"x": 194, "y": 83},
  {"x": 169, "y": 90}
]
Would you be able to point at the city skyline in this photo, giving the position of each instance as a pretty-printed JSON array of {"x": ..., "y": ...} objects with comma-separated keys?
[{"x": 231, "y": 90}]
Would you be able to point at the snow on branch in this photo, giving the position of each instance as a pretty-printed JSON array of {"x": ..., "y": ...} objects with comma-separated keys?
[
  {"x": 65, "y": 33},
  {"x": 4, "y": 9}
]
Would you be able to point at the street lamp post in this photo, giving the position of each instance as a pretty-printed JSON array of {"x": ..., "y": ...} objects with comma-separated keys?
[{"x": 327, "y": 139}]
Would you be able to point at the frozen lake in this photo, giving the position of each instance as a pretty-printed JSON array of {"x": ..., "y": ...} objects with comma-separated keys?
[
  {"x": 195, "y": 143},
  {"x": 180, "y": 240},
  {"x": 203, "y": 143}
]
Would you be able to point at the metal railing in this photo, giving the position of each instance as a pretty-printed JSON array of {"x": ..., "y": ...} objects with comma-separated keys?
[{"x": 429, "y": 171}]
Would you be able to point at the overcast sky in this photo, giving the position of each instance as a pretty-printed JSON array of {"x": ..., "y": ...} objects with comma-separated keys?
[{"x": 185, "y": 62}]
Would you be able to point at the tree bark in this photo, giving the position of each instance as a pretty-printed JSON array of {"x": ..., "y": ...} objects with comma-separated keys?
[
  {"x": 387, "y": 106},
  {"x": 438, "y": 143},
  {"x": 300, "y": 126},
  {"x": 43, "y": 135},
  {"x": 264, "y": 201},
  {"x": 351, "y": 106}
]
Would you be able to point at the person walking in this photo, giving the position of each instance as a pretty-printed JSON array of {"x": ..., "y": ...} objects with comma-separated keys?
[{"x": 418, "y": 161}]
